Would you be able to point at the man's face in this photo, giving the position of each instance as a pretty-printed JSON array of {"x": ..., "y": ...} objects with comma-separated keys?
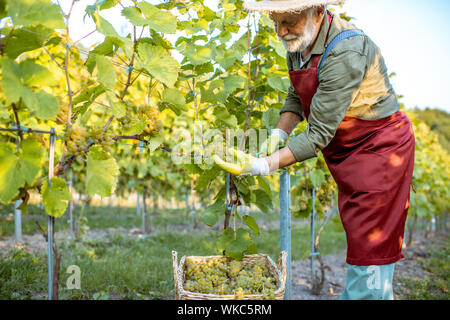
[{"x": 295, "y": 30}]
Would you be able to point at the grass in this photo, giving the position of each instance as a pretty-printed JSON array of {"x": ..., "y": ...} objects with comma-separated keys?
[
  {"x": 131, "y": 267},
  {"x": 436, "y": 285}
]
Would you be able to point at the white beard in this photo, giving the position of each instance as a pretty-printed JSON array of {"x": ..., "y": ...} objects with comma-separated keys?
[{"x": 299, "y": 43}]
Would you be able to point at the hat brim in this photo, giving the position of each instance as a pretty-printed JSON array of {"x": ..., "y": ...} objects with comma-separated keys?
[{"x": 287, "y": 6}]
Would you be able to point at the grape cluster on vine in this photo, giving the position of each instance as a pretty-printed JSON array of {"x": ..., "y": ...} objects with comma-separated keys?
[
  {"x": 63, "y": 114},
  {"x": 151, "y": 113},
  {"x": 76, "y": 139},
  {"x": 224, "y": 277}
]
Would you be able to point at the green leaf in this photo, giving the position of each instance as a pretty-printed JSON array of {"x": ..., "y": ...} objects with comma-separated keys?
[
  {"x": 225, "y": 117},
  {"x": 55, "y": 199},
  {"x": 159, "y": 63},
  {"x": 11, "y": 83},
  {"x": 271, "y": 118},
  {"x": 135, "y": 127},
  {"x": 239, "y": 245},
  {"x": 278, "y": 82},
  {"x": 134, "y": 15},
  {"x": 34, "y": 74},
  {"x": 225, "y": 238},
  {"x": 3, "y": 112},
  {"x": 317, "y": 177},
  {"x": 197, "y": 55},
  {"x": 106, "y": 73},
  {"x": 155, "y": 142},
  {"x": 15, "y": 171},
  {"x": 251, "y": 223},
  {"x": 23, "y": 40},
  {"x": 263, "y": 201},
  {"x": 277, "y": 46},
  {"x": 104, "y": 26},
  {"x": 47, "y": 106},
  {"x": 159, "y": 20},
  {"x": 118, "y": 107},
  {"x": 101, "y": 173},
  {"x": 10, "y": 176},
  {"x": 89, "y": 94},
  {"x": 212, "y": 213},
  {"x": 206, "y": 177},
  {"x": 175, "y": 100},
  {"x": 264, "y": 184},
  {"x": 234, "y": 82},
  {"x": 33, "y": 12},
  {"x": 30, "y": 161}
]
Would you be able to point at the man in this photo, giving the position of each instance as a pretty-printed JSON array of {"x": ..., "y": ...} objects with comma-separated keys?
[{"x": 341, "y": 87}]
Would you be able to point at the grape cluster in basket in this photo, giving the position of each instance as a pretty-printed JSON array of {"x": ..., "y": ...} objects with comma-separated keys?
[{"x": 224, "y": 277}]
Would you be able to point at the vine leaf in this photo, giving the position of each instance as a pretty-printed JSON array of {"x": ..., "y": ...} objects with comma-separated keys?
[
  {"x": 212, "y": 213},
  {"x": 25, "y": 13},
  {"x": 102, "y": 172},
  {"x": 236, "y": 244},
  {"x": 106, "y": 73},
  {"x": 317, "y": 177},
  {"x": 175, "y": 100},
  {"x": 15, "y": 171},
  {"x": 158, "y": 62},
  {"x": 251, "y": 223},
  {"x": 15, "y": 77},
  {"x": 158, "y": 20},
  {"x": 55, "y": 198}
]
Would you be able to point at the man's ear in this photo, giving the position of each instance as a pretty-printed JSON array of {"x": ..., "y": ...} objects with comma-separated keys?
[{"x": 319, "y": 13}]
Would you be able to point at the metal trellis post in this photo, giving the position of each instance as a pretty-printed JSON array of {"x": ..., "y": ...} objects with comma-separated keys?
[
  {"x": 50, "y": 218},
  {"x": 71, "y": 204},
  {"x": 143, "y": 215},
  {"x": 312, "y": 235},
  {"x": 285, "y": 226},
  {"x": 18, "y": 220},
  {"x": 138, "y": 205}
]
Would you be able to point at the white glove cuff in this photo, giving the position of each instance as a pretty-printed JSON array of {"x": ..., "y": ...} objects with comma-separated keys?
[
  {"x": 280, "y": 133},
  {"x": 260, "y": 167}
]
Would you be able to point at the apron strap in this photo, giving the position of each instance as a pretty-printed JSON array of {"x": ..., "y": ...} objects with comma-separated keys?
[{"x": 341, "y": 36}]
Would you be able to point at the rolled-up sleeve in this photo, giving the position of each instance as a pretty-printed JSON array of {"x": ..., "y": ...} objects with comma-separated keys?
[{"x": 340, "y": 78}]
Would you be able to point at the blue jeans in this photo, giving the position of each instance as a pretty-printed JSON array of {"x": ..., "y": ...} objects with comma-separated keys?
[{"x": 369, "y": 283}]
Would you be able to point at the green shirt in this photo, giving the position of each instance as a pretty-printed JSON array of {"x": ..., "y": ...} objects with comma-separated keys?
[{"x": 353, "y": 82}]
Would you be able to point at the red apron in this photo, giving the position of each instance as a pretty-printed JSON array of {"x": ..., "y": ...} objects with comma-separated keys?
[{"x": 372, "y": 163}]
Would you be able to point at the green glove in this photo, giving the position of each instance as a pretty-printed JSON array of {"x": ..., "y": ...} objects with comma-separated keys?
[
  {"x": 246, "y": 165},
  {"x": 269, "y": 146}
]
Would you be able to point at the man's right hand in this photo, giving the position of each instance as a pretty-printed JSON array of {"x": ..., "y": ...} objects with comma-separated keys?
[{"x": 270, "y": 146}]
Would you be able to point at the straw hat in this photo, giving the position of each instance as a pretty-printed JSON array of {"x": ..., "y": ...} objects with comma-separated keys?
[{"x": 287, "y": 5}]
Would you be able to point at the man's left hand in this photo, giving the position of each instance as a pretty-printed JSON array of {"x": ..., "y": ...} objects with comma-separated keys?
[{"x": 246, "y": 165}]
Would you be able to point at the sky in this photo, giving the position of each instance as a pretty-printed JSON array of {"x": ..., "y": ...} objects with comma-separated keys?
[{"x": 413, "y": 36}]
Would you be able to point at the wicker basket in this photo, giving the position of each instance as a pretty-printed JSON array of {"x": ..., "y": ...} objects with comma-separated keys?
[{"x": 279, "y": 273}]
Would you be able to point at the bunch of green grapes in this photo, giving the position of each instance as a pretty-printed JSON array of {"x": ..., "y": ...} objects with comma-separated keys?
[
  {"x": 151, "y": 113},
  {"x": 76, "y": 139},
  {"x": 63, "y": 114},
  {"x": 126, "y": 121},
  {"x": 229, "y": 277},
  {"x": 105, "y": 139}
]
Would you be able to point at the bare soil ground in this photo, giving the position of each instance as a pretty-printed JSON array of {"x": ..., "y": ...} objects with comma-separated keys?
[{"x": 335, "y": 270}]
